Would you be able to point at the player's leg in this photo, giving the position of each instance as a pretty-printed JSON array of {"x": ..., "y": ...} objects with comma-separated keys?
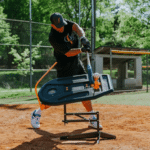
[
  {"x": 88, "y": 106},
  {"x": 36, "y": 114}
]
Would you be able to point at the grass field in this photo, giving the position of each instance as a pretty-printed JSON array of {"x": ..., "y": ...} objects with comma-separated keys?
[
  {"x": 17, "y": 96},
  {"x": 118, "y": 115},
  {"x": 24, "y": 96}
]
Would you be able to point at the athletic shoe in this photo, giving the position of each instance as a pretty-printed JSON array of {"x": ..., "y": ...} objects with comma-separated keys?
[
  {"x": 35, "y": 120},
  {"x": 93, "y": 124}
]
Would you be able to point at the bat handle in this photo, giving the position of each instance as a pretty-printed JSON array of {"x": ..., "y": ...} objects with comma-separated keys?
[
  {"x": 88, "y": 58},
  {"x": 89, "y": 69}
]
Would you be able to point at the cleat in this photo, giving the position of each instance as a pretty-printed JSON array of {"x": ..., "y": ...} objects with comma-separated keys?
[
  {"x": 93, "y": 124},
  {"x": 35, "y": 120}
]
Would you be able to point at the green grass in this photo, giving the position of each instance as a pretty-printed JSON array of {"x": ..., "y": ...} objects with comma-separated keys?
[
  {"x": 17, "y": 96},
  {"x": 20, "y": 100},
  {"x": 108, "y": 71},
  {"x": 115, "y": 73},
  {"x": 134, "y": 98},
  {"x": 15, "y": 93},
  {"x": 24, "y": 96}
]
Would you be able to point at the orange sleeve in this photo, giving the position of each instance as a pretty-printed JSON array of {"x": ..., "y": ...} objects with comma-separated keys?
[{"x": 73, "y": 52}]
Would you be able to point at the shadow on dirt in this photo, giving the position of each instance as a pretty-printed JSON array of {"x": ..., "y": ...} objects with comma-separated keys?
[
  {"x": 49, "y": 141},
  {"x": 13, "y": 106}
]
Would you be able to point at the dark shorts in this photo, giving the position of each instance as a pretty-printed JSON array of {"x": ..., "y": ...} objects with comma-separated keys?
[{"x": 71, "y": 68}]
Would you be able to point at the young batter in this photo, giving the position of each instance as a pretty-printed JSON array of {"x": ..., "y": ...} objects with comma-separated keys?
[{"x": 64, "y": 39}]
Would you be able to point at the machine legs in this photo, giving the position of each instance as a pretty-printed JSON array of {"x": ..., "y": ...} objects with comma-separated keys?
[{"x": 96, "y": 134}]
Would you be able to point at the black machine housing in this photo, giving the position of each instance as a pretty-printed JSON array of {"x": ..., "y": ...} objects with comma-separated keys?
[{"x": 73, "y": 89}]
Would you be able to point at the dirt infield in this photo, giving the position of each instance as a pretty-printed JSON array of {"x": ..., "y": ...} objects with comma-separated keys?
[{"x": 130, "y": 124}]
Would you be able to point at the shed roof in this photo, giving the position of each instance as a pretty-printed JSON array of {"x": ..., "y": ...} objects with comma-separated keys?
[{"x": 106, "y": 49}]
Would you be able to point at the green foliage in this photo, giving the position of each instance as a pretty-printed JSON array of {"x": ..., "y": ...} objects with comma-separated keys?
[
  {"x": 16, "y": 9},
  {"x": 15, "y": 79},
  {"x": 131, "y": 32},
  {"x": 5, "y": 34},
  {"x": 105, "y": 23},
  {"x": 69, "y": 10},
  {"x": 139, "y": 8},
  {"x": 145, "y": 77},
  {"x": 113, "y": 27},
  {"x": 23, "y": 59},
  {"x": 19, "y": 93},
  {"x": 144, "y": 60},
  {"x": 104, "y": 30}
]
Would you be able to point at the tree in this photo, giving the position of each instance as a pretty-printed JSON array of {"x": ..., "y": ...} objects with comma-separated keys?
[
  {"x": 105, "y": 23},
  {"x": 21, "y": 11},
  {"x": 41, "y": 11},
  {"x": 6, "y": 38},
  {"x": 23, "y": 60},
  {"x": 16, "y": 9},
  {"x": 104, "y": 31},
  {"x": 140, "y": 9},
  {"x": 131, "y": 32}
]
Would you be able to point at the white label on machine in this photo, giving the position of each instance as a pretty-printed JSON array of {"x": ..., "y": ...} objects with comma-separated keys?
[{"x": 77, "y": 88}]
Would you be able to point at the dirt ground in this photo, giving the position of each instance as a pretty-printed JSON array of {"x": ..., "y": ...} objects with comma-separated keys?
[{"x": 130, "y": 124}]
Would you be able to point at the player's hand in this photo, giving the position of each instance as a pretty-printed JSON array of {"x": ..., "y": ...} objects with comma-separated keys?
[
  {"x": 86, "y": 49},
  {"x": 85, "y": 42}
]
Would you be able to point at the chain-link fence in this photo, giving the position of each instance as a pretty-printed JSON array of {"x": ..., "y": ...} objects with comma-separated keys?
[
  {"x": 17, "y": 35},
  {"x": 19, "y": 39},
  {"x": 21, "y": 29},
  {"x": 10, "y": 76},
  {"x": 22, "y": 35},
  {"x": 146, "y": 78}
]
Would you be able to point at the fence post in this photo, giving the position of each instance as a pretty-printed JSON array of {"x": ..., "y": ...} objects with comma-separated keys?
[
  {"x": 30, "y": 12},
  {"x": 79, "y": 43},
  {"x": 110, "y": 62},
  {"x": 147, "y": 71},
  {"x": 93, "y": 3}
]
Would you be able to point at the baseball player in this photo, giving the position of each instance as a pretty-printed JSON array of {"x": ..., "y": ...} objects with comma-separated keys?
[{"x": 64, "y": 39}]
